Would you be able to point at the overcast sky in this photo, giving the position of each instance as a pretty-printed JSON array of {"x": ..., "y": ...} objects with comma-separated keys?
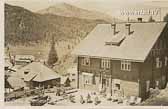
[
  {"x": 107, "y": 6},
  {"x": 36, "y": 5}
]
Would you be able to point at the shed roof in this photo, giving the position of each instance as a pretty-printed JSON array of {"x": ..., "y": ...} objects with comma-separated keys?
[
  {"x": 38, "y": 72},
  {"x": 16, "y": 83},
  {"x": 135, "y": 46}
]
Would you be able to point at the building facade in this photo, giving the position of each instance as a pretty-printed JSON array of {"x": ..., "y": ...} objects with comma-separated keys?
[{"x": 99, "y": 71}]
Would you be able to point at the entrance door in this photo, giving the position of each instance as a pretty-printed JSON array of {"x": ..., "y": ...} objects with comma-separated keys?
[{"x": 105, "y": 83}]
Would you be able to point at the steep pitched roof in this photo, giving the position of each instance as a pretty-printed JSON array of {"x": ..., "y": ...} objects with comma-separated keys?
[
  {"x": 135, "y": 46},
  {"x": 38, "y": 72},
  {"x": 16, "y": 83}
]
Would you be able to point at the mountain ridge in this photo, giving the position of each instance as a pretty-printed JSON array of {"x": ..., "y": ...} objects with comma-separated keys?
[
  {"x": 24, "y": 27},
  {"x": 68, "y": 10}
]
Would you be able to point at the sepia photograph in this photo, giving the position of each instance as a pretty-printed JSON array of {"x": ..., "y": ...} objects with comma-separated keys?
[{"x": 85, "y": 53}]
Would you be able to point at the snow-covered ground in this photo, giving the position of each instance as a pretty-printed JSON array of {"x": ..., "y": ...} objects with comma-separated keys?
[
  {"x": 66, "y": 102},
  {"x": 161, "y": 98}
]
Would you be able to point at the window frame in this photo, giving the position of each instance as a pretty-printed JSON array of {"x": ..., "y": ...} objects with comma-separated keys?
[
  {"x": 126, "y": 65},
  {"x": 105, "y": 63},
  {"x": 166, "y": 60},
  {"x": 86, "y": 60},
  {"x": 147, "y": 85},
  {"x": 89, "y": 78},
  {"x": 158, "y": 63}
]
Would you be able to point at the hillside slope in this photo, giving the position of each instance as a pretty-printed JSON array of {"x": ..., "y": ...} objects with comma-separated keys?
[
  {"x": 68, "y": 10},
  {"x": 25, "y": 27}
]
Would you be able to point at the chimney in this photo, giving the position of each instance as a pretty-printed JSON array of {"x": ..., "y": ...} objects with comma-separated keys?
[
  {"x": 139, "y": 19},
  {"x": 127, "y": 26},
  {"x": 128, "y": 19},
  {"x": 113, "y": 26}
]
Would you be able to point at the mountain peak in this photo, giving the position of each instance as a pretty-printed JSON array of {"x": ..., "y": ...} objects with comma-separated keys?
[
  {"x": 62, "y": 5},
  {"x": 68, "y": 10}
]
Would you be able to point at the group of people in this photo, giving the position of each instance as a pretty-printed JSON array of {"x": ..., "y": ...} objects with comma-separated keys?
[{"x": 89, "y": 99}]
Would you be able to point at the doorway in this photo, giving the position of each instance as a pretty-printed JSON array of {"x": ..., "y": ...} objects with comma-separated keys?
[{"x": 105, "y": 84}]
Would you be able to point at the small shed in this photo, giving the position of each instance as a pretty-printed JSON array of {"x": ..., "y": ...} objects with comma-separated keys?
[
  {"x": 37, "y": 74},
  {"x": 14, "y": 84}
]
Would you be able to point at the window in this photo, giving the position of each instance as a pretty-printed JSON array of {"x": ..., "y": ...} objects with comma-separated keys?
[
  {"x": 158, "y": 63},
  {"x": 157, "y": 83},
  {"x": 105, "y": 63},
  {"x": 117, "y": 86},
  {"x": 88, "y": 78},
  {"x": 147, "y": 86},
  {"x": 86, "y": 61},
  {"x": 166, "y": 59},
  {"x": 126, "y": 65},
  {"x": 26, "y": 71}
]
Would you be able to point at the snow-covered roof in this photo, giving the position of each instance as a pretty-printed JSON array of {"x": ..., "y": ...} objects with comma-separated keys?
[
  {"x": 37, "y": 71},
  {"x": 135, "y": 46}
]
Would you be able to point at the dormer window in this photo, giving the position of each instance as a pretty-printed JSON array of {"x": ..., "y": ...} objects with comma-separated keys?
[
  {"x": 113, "y": 26},
  {"x": 116, "y": 40},
  {"x": 26, "y": 71},
  {"x": 128, "y": 30},
  {"x": 86, "y": 61},
  {"x": 108, "y": 43}
]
